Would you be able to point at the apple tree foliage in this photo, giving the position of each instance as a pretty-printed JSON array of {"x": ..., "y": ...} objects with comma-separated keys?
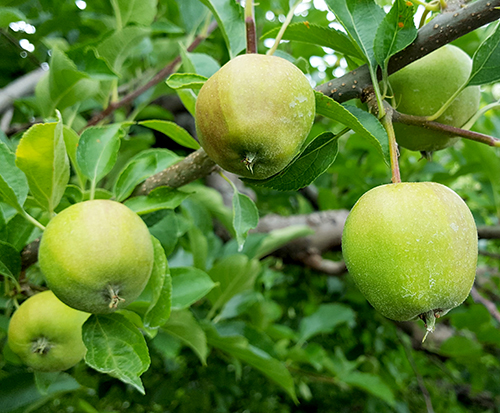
[{"x": 97, "y": 101}]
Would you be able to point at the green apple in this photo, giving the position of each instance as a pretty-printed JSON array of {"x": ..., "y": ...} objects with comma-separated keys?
[
  {"x": 47, "y": 334},
  {"x": 411, "y": 249},
  {"x": 254, "y": 114},
  {"x": 96, "y": 256},
  {"x": 421, "y": 89}
]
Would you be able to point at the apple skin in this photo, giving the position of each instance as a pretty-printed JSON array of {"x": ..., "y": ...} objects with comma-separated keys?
[
  {"x": 96, "y": 256},
  {"x": 254, "y": 114},
  {"x": 47, "y": 334},
  {"x": 411, "y": 249},
  {"x": 421, "y": 89}
]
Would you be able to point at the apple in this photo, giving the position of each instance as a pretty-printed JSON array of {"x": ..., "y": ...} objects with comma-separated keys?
[
  {"x": 254, "y": 114},
  {"x": 96, "y": 256},
  {"x": 47, "y": 334},
  {"x": 411, "y": 249},
  {"x": 422, "y": 88}
]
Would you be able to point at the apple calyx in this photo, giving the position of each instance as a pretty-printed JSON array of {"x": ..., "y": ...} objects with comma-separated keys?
[
  {"x": 429, "y": 319},
  {"x": 249, "y": 161},
  {"x": 41, "y": 345},
  {"x": 115, "y": 299}
]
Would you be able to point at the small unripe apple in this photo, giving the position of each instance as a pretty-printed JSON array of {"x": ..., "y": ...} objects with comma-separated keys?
[
  {"x": 47, "y": 334},
  {"x": 254, "y": 114},
  {"x": 421, "y": 89},
  {"x": 411, "y": 249},
  {"x": 96, "y": 256}
]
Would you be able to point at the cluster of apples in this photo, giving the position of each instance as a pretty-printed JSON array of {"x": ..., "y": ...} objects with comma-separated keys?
[
  {"x": 410, "y": 247},
  {"x": 97, "y": 257}
]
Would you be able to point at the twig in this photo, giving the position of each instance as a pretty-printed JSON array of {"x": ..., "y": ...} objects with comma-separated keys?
[
  {"x": 162, "y": 74},
  {"x": 446, "y": 129},
  {"x": 490, "y": 306},
  {"x": 420, "y": 379}
]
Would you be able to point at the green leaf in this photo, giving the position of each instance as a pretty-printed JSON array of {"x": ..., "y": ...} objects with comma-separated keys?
[
  {"x": 229, "y": 16},
  {"x": 318, "y": 35},
  {"x": 64, "y": 85},
  {"x": 140, "y": 167},
  {"x": 370, "y": 383},
  {"x": 20, "y": 232},
  {"x": 458, "y": 346},
  {"x": 10, "y": 261},
  {"x": 116, "y": 347},
  {"x": 486, "y": 61},
  {"x": 317, "y": 157},
  {"x": 160, "y": 198},
  {"x": 188, "y": 286},
  {"x": 87, "y": 60},
  {"x": 160, "y": 283},
  {"x": 9, "y": 15},
  {"x": 186, "y": 81},
  {"x": 71, "y": 141},
  {"x": 98, "y": 149},
  {"x": 142, "y": 12},
  {"x": 44, "y": 380},
  {"x": 183, "y": 326},
  {"x": 188, "y": 98},
  {"x": 324, "y": 320},
  {"x": 233, "y": 275},
  {"x": 245, "y": 216},
  {"x": 41, "y": 155},
  {"x": 13, "y": 183},
  {"x": 201, "y": 63},
  {"x": 173, "y": 131},
  {"x": 396, "y": 31},
  {"x": 238, "y": 346},
  {"x": 361, "y": 20},
  {"x": 18, "y": 391},
  {"x": 116, "y": 48},
  {"x": 360, "y": 121}
]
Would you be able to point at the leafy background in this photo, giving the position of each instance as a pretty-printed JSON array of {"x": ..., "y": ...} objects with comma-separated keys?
[{"x": 220, "y": 329}]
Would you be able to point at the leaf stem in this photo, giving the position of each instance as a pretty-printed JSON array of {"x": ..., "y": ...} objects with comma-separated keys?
[
  {"x": 480, "y": 113},
  {"x": 35, "y": 222},
  {"x": 287, "y": 21},
  {"x": 447, "y": 104},
  {"x": 118, "y": 16},
  {"x": 251, "y": 31}
]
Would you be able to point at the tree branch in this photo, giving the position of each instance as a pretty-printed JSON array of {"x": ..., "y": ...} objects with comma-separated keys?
[
  {"x": 446, "y": 129},
  {"x": 194, "y": 166},
  {"x": 443, "y": 29},
  {"x": 160, "y": 76}
]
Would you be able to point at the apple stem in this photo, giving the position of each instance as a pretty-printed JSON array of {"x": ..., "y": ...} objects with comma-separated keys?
[
  {"x": 41, "y": 346},
  {"x": 251, "y": 31},
  {"x": 115, "y": 298},
  {"x": 429, "y": 319},
  {"x": 287, "y": 21},
  {"x": 393, "y": 147}
]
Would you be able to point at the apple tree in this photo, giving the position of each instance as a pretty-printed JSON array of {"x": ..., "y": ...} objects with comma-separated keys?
[{"x": 175, "y": 176}]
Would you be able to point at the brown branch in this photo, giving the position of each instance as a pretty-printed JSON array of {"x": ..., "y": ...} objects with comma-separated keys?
[
  {"x": 421, "y": 121},
  {"x": 488, "y": 232},
  {"x": 443, "y": 29},
  {"x": 490, "y": 306},
  {"x": 194, "y": 166},
  {"x": 160, "y": 76}
]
